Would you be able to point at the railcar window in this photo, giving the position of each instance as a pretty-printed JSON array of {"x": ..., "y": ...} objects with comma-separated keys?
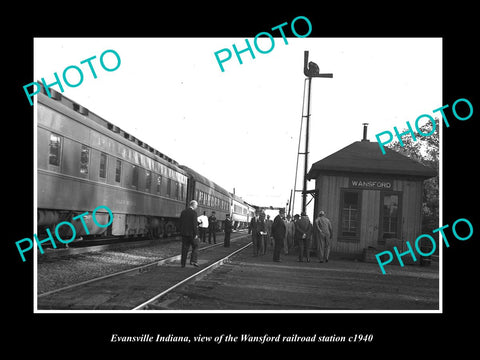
[
  {"x": 103, "y": 165},
  {"x": 182, "y": 192},
  {"x": 159, "y": 184},
  {"x": 84, "y": 157},
  {"x": 118, "y": 170},
  {"x": 55, "y": 149},
  {"x": 177, "y": 190},
  {"x": 169, "y": 187},
  {"x": 135, "y": 177},
  {"x": 148, "y": 180}
]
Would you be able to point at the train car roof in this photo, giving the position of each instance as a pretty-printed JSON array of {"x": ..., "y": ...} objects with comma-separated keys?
[
  {"x": 58, "y": 98},
  {"x": 204, "y": 180},
  {"x": 238, "y": 198}
]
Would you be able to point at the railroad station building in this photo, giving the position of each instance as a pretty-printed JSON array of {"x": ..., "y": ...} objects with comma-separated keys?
[{"x": 372, "y": 200}]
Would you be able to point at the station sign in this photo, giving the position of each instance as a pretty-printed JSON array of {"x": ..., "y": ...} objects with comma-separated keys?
[{"x": 370, "y": 183}]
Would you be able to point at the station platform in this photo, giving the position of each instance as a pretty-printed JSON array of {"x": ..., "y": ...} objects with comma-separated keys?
[{"x": 257, "y": 283}]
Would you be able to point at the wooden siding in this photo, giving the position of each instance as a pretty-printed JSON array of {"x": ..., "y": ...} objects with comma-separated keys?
[{"x": 329, "y": 189}]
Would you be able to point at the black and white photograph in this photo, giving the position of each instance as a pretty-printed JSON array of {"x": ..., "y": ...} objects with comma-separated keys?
[
  {"x": 267, "y": 181},
  {"x": 309, "y": 190}
]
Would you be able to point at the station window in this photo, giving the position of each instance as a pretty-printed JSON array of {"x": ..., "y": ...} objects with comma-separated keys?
[
  {"x": 84, "y": 157},
  {"x": 148, "y": 180},
  {"x": 118, "y": 170},
  {"x": 55, "y": 149},
  {"x": 390, "y": 206},
  {"x": 103, "y": 165},
  {"x": 350, "y": 222}
]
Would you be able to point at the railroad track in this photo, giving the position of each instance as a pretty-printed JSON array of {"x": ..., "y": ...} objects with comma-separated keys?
[
  {"x": 136, "y": 288},
  {"x": 101, "y": 245},
  {"x": 146, "y": 304}
]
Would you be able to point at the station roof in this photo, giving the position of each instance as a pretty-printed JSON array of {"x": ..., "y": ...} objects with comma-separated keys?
[{"x": 366, "y": 157}]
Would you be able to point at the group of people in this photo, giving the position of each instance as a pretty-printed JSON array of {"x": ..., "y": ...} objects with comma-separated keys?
[
  {"x": 210, "y": 225},
  {"x": 194, "y": 228},
  {"x": 285, "y": 232}
]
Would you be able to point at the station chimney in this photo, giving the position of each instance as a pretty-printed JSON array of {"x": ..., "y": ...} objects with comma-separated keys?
[{"x": 365, "y": 125}]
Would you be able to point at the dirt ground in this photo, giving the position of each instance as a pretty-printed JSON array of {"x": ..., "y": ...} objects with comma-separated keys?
[{"x": 258, "y": 283}]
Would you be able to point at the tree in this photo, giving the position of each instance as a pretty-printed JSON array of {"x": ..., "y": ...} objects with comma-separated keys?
[{"x": 426, "y": 151}]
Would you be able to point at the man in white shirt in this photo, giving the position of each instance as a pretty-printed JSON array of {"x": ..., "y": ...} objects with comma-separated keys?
[{"x": 203, "y": 226}]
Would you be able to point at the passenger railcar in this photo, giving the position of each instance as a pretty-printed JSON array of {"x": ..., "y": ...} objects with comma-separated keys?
[
  {"x": 84, "y": 161},
  {"x": 240, "y": 212},
  {"x": 210, "y": 196},
  {"x": 251, "y": 212}
]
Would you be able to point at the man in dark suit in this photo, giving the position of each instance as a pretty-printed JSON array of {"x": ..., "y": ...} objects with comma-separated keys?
[
  {"x": 278, "y": 232},
  {"x": 212, "y": 228},
  {"x": 252, "y": 229},
  {"x": 303, "y": 232},
  {"x": 228, "y": 230},
  {"x": 189, "y": 233}
]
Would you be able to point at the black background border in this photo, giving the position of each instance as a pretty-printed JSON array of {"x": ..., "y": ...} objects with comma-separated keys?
[{"x": 400, "y": 333}]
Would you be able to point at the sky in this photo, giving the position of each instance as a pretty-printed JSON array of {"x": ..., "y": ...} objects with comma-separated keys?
[{"x": 240, "y": 128}]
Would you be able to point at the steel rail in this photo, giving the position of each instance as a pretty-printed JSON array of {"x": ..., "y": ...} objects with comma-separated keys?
[
  {"x": 157, "y": 262},
  {"x": 210, "y": 267}
]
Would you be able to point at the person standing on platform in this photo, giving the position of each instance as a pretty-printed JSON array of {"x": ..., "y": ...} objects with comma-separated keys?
[
  {"x": 189, "y": 233},
  {"x": 252, "y": 229},
  {"x": 295, "y": 232},
  {"x": 212, "y": 228},
  {"x": 261, "y": 234},
  {"x": 290, "y": 231},
  {"x": 278, "y": 232},
  {"x": 228, "y": 230},
  {"x": 303, "y": 229},
  {"x": 203, "y": 226},
  {"x": 268, "y": 228},
  {"x": 322, "y": 230}
]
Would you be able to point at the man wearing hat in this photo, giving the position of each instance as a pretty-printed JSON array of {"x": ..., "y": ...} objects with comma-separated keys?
[
  {"x": 278, "y": 232},
  {"x": 323, "y": 234},
  {"x": 303, "y": 232},
  {"x": 228, "y": 230}
]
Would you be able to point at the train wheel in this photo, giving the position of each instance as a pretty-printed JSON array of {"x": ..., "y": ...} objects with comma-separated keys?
[
  {"x": 170, "y": 228},
  {"x": 153, "y": 226},
  {"x": 161, "y": 229}
]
